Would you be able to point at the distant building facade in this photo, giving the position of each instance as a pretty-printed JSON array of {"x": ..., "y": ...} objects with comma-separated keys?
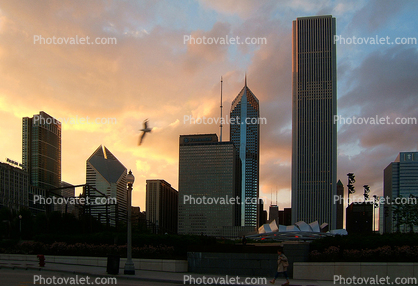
[
  {"x": 162, "y": 206},
  {"x": 245, "y": 134},
  {"x": 314, "y": 134},
  {"x": 285, "y": 216},
  {"x": 208, "y": 169},
  {"x": 273, "y": 212},
  {"x": 35, "y": 206},
  {"x": 41, "y": 150},
  {"x": 14, "y": 187},
  {"x": 16, "y": 192},
  {"x": 262, "y": 214},
  {"x": 400, "y": 179},
  {"x": 139, "y": 220},
  {"x": 107, "y": 176},
  {"x": 67, "y": 191}
]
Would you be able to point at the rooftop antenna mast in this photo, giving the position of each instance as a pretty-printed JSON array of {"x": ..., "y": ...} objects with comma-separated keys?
[
  {"x": 221, "y": 112},
  {"x": 276, "y": 195}
]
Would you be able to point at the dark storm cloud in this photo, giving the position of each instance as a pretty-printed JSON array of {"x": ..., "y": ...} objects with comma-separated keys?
[
  {"x": 385, "y": 85},
  {"x": 377, "y": 13}
]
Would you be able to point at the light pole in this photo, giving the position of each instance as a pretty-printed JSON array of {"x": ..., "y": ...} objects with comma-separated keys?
[
  {"x": 129, "y": 265},
  {"x": 20, "y": 227}
]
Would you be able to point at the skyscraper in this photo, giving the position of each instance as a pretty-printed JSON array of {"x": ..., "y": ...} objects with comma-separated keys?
[
  {"x": 162, "y": 206},
  {"x": 107, "y": 175},
  {"x": 314, "y": 135},
  {"x": 273, "y": 212},
  {"x": 14, "y": 187},
  {"x": 400, "y": 179},
  {"x": 285, "y": 216},
  {"x": 262, "y": 214},
  {"x": 208, "y": 178},
  {"x": 41, "y": 150},
  {"x": 245, "y": 134},
  {"x": 15, "y": 190}
]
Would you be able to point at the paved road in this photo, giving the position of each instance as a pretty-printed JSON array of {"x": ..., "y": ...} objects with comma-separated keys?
[{"x": 21, "y": 277}]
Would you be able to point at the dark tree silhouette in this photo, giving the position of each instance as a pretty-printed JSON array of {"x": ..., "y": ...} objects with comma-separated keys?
[{"x": 405, "y": 212}]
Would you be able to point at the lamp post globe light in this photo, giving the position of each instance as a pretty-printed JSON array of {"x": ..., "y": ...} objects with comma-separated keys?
[{"x": 129, "y": 265}]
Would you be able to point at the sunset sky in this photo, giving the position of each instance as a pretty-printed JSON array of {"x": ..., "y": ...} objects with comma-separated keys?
[{"x": 151, "y": 73}]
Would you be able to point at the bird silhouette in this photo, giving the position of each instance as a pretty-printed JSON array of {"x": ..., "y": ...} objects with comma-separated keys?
[{"x": 145, "y": 130}]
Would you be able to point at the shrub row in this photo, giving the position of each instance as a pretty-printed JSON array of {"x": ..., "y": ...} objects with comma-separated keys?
[
  {"x": 97, "y": 250},
  {"x": 386, "y": 253},
  {"x": 365, "y": 241}
]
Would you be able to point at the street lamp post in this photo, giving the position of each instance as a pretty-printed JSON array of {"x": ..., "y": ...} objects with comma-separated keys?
[
  {"x": 129, "y": 265},
  {"x": 20, "y": 227}
]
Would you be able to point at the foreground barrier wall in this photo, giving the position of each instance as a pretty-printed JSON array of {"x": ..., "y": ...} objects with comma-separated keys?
[
  {"x": 246, "y": 264},
  {"x": 327, "y": 270},
  {"x": 140, "y": 264}
]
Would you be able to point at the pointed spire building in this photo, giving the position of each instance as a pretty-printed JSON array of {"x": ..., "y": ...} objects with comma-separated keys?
[
  {"x": 245, "y": 134},
  {"x": 107, "y": 175}
]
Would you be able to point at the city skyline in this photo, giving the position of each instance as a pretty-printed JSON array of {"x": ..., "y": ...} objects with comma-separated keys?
[{"x": 151, "y": 73}]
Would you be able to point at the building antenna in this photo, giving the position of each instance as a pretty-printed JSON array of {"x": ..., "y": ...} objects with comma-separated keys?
[
  {"x": 276, "y": 195},
  {"x": 271, "y": 197},
  {"x": 221, "y": 112}
]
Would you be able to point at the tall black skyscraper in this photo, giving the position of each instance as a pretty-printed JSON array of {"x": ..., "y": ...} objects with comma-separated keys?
[
  {"x": 314, "y": 134},
  {"x": 41, "y": 150},
  {"x": 245, "y": 134}
]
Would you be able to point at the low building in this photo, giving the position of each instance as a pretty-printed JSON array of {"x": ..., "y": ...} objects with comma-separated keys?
[
  {"x": 162, "y": 206},
  {"x": 359, "y": 218},
  {"x": 14, "y": 187}
]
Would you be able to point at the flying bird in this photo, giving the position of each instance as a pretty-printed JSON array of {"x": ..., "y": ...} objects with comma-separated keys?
[{"x": 145, "y": 130}]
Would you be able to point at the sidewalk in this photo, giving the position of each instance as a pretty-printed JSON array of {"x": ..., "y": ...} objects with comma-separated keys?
[
  {"x": 155, "y": 276},
  {"x": 144, "y": 275}
]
